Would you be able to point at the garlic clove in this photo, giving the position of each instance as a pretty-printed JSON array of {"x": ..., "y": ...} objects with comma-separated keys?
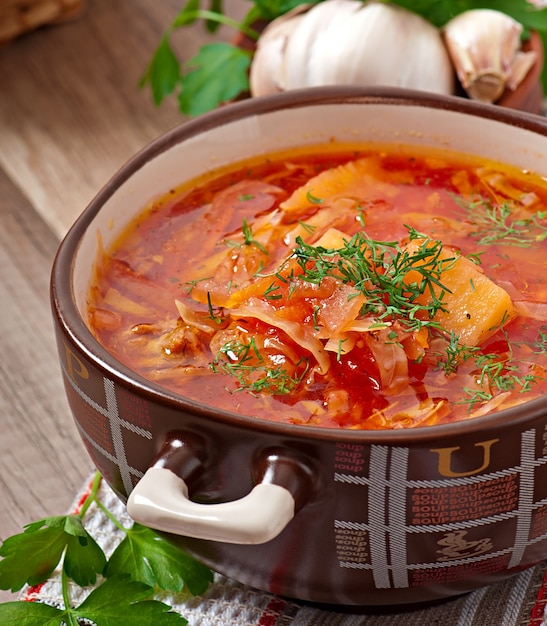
[{"x": 484, "y": 45}]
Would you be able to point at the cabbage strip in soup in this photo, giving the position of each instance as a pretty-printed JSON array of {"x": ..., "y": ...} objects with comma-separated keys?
[{"x": 366, "y": 289}]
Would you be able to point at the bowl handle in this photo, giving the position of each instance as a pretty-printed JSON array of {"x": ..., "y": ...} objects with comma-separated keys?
[{"x": 160, "y": 500}]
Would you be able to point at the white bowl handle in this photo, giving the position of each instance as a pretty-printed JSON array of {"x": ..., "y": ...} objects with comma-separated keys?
[
  {"x": 284, "y": 481},
  {"x": 160, "y": 500}
]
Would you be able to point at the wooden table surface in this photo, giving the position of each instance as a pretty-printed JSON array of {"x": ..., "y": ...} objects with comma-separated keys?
[{"x": 71, "y": 113}]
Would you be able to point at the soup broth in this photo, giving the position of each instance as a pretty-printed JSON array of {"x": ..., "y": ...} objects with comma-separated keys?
[{"x": 369, "y": 287}]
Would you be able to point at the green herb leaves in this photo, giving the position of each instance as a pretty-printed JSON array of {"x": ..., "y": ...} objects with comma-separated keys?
[
  {"x": 255, "y": 373},
  {"x": 495, "y": 223},
  {"x": 119, "y": 601},
  {"x": 217, "y": 74},
  {"x": 163, "y": 73},
  {"x": 151, "y": 559},
  {"x": 142, "y": 562},
  {"x": 33, "y": 555},
  {"x": 201, "y": 90},
  {"x": 379, "y": 271},
  {"x": 198, "y": 87}
]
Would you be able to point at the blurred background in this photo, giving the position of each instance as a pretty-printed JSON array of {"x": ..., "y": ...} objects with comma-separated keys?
[{"x": 70, "y": 103}]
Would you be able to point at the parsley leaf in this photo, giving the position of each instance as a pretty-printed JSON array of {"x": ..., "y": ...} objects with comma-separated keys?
[
  {"x": 31, "y": 556},
  {"x": 150, "y": 558},
  {"x": 201, "y": 88},
  {"x": 119, "y": 601},
  {"x": 30, "y": 614},
  {"x": 163, "y": 73}
]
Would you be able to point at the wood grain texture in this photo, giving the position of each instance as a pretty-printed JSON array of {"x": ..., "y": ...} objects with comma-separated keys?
[
  {"x": 42, "y": 462},
  {"x": 71, "y": 113}
]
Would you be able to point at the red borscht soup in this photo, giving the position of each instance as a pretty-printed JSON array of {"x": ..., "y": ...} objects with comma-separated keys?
[{"x": 369, "y": 287}]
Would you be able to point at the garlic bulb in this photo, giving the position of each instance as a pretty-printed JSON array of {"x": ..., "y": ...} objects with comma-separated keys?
[
  {"x": 350, "y": 42},
  {"x": 484, "y": 46},
  {"x": 264, "y": 72}
]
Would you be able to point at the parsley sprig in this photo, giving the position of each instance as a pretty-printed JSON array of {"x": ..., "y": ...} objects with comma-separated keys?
[
  {"x": 501, "y": 377},
  {"x": 122, "y": 586},
  {"x": 219, "y": 71}
]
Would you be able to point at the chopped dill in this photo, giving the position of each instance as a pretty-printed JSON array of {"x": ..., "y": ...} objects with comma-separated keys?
[
  {"x": 314, "y": 199},
  {"x": 309, "y": 228},
  {"x": 253, "y": 372},
  {"x": 248, "y": 239},
  {"x": 190, "y": 284},
  {"x": 270, "y": 293},
  {"x": 216, "y": 318},
  {"x": 378, "y": 270},
  {"x": 494, "y": 223}
]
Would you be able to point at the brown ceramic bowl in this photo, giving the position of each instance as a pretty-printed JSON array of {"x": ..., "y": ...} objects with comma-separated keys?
[{"x": 329, "y": 516}]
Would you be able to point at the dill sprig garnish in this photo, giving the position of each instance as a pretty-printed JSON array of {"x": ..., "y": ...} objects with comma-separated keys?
[
  {"x": 540, "y": 344},
  {"x": 455, "y": 354},
  {"x": 254, "y": 373},
  {"x": 495, "y": 223},
  {"x": 379, "y": 270},
  {"x": 495, "y": 374},
  {"x": 248, "y": 239}
]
